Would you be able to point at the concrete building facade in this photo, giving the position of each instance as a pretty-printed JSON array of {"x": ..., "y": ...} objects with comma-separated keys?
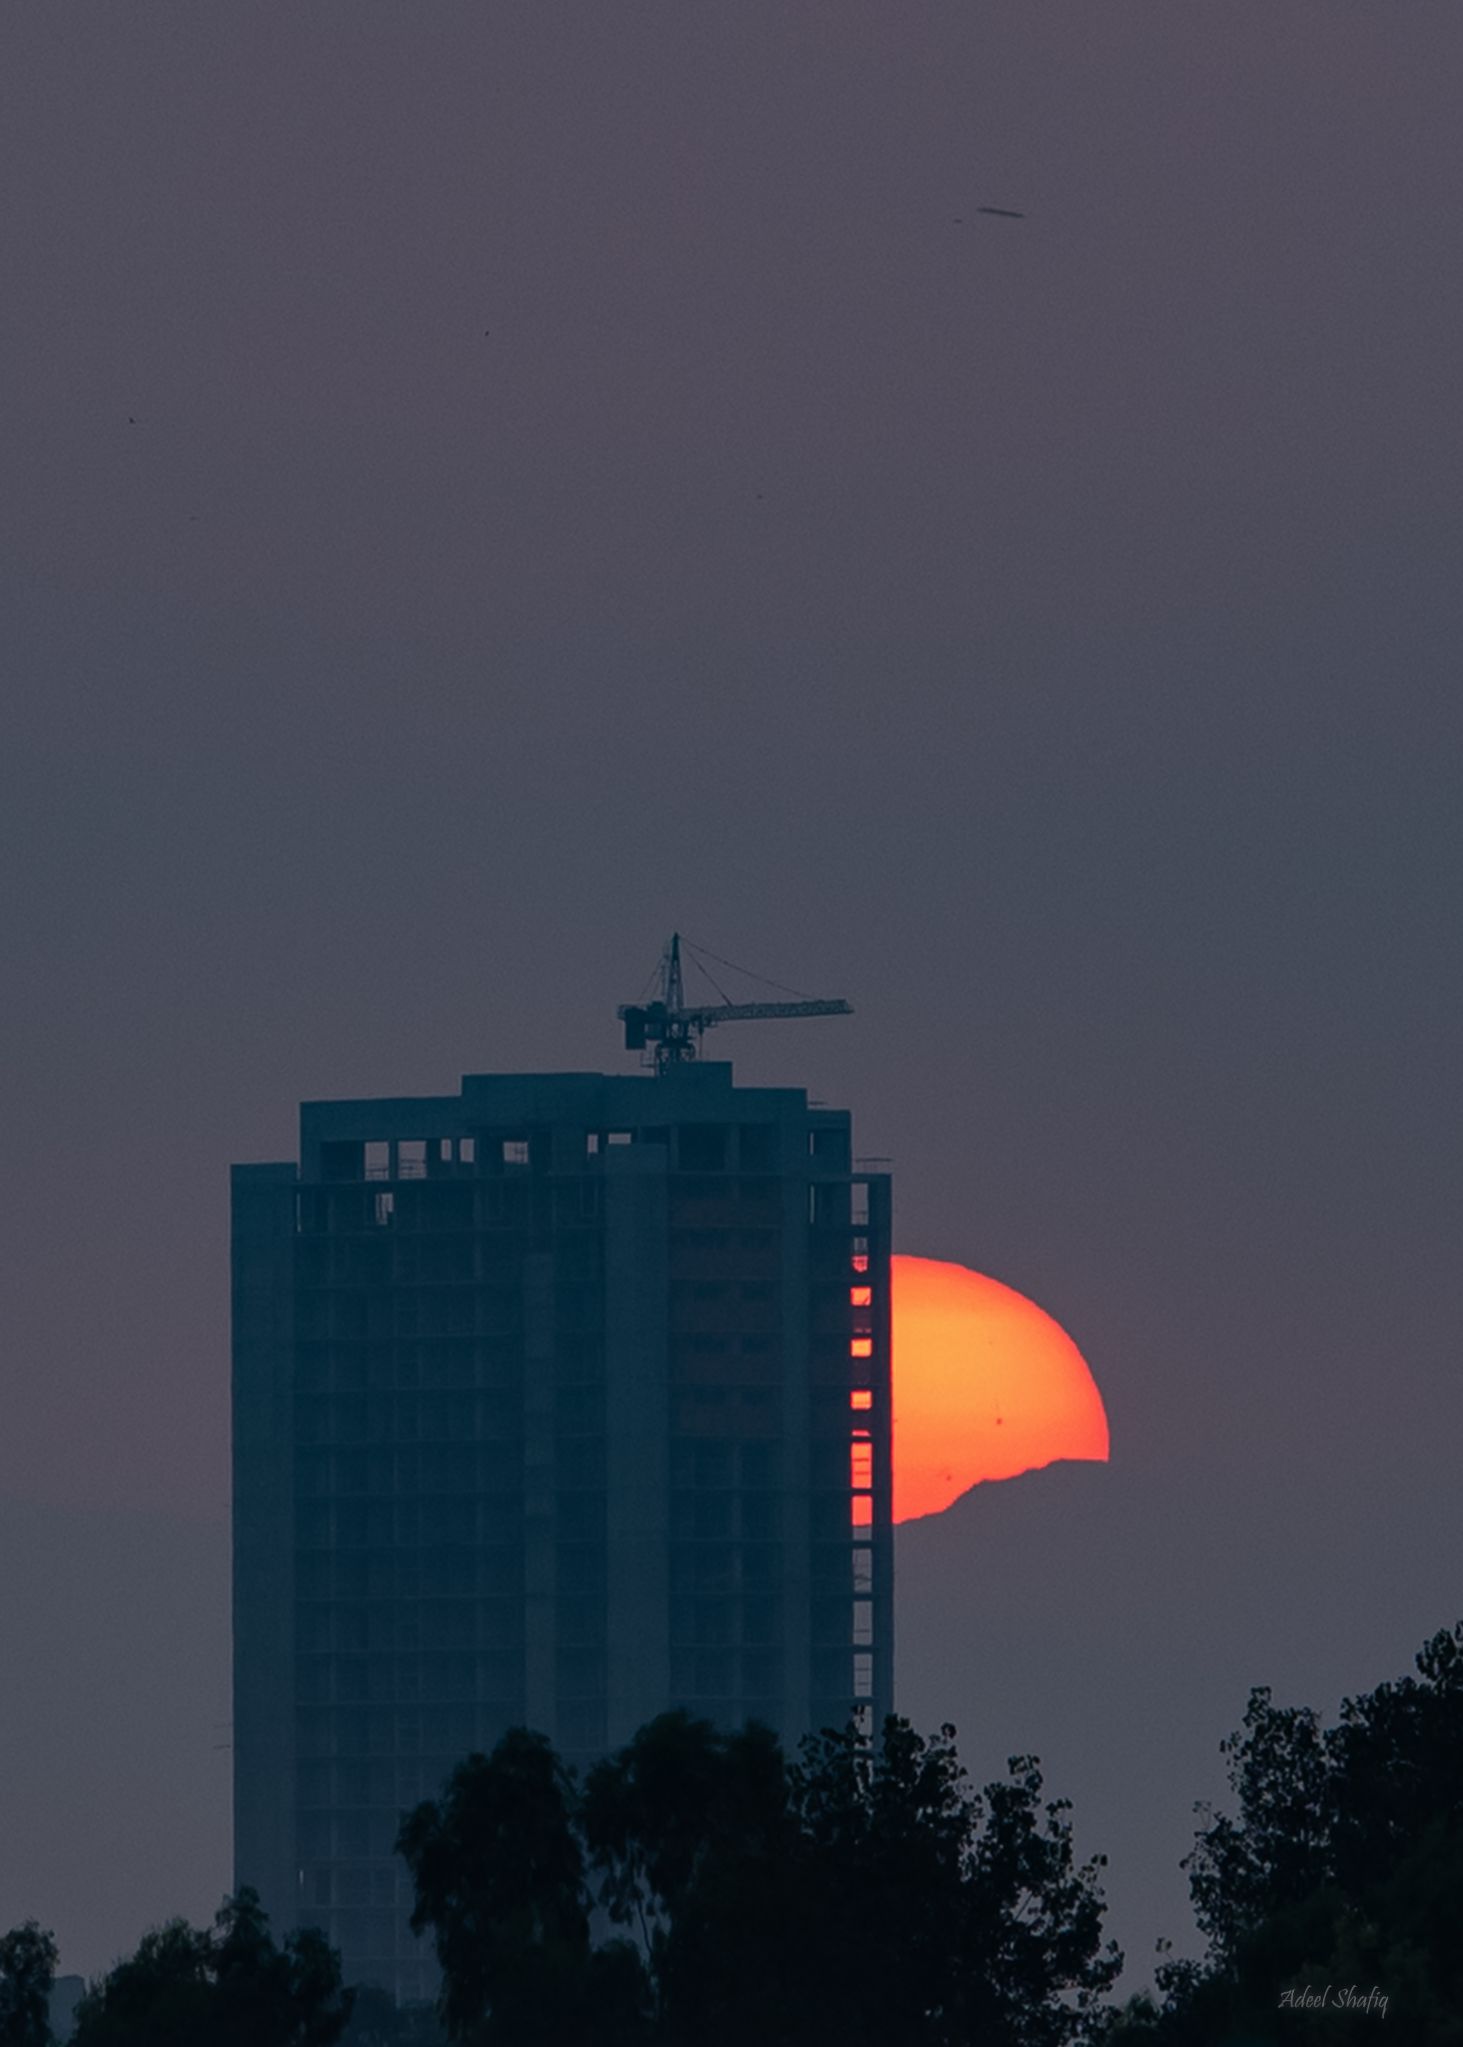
[{"x": 556, "y": 1402}]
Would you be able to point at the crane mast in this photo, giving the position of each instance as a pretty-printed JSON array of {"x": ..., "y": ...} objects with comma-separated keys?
[{"x": 671, "y": 1030}]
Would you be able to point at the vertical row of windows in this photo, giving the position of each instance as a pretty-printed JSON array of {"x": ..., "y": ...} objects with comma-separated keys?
[{"x": 861, "y": 1460}]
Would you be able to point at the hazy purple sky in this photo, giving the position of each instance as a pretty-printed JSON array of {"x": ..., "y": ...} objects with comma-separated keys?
[{"x": 1044, "y": 632}]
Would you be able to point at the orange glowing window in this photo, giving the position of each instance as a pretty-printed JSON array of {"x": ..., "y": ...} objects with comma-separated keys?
[
  {"x": 863, "y": 1510},
  {"x": 860, "y": 1261},
  {"x": 861, "y": 1399},
  {"x": 861, "y": 1296},
  {"x": 861, "y": 1466},
  {"x": 861, "y": 1347}
]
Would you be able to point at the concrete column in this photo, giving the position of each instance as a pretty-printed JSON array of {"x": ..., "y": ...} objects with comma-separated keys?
[
  {"x": 797, "y": 1404},
  {"x": 539, "y": 1581},
  {"x": 637, "y": 1425}
]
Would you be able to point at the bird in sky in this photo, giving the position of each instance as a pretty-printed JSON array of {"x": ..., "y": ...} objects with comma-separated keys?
[{"x": 1001, "y": 212}]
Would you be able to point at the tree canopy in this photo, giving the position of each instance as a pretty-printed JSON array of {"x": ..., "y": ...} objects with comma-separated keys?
[
  {"x": 27, "y": 1971},
  {"x": 701, "y": 1887},
  {"x": 377, "y": 2020},
  {"x": 1341, "y": 1871},
  {"x": 230, "y": 1985}
]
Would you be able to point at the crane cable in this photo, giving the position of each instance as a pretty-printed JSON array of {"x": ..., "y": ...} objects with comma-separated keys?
[
  {"x": 705, "y": 972},
  {"x": 766, "y": 983}
]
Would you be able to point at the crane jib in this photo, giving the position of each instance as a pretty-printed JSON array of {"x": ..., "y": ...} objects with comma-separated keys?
[{"x": 671, "y": 1025}]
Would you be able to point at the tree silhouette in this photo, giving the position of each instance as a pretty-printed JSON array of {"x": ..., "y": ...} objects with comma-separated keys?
[
  {"x": 27, "y": 1972},
  {"x": 1340, "y": 1872},
  {"x": 863, "y": 1894},
  {"x": 499, "y": 1874},
  {"x": 229, "y": 1986},
  {"x": 378, "y": 2021}
]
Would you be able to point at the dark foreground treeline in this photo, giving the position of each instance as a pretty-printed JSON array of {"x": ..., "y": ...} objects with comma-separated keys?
[{"x": 856, "y": 1897}]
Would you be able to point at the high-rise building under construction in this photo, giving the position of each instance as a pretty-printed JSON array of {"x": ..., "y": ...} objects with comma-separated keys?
[{"x": 557, "y": 1402}]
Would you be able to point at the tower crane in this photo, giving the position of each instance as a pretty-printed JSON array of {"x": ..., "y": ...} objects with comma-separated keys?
[{"x": 675, "y": 1029}]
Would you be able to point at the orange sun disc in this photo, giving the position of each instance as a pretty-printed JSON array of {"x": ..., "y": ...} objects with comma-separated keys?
[{"x": 986, "y": 1385}]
